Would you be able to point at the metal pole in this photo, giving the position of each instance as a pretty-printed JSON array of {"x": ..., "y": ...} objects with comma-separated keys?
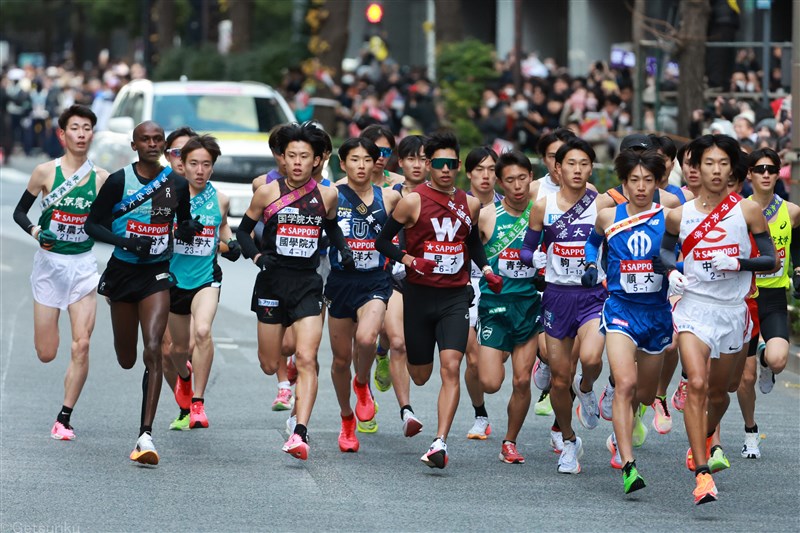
[
  {"x": 795, "y": 192},
  {"x": 430, "y": 39},
  {"x": 766, "y": 14},
  {"x": 638, "y": 77}
]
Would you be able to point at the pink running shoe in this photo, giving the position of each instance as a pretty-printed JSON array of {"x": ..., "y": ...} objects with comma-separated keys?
[
  {"x": 365, "y": 404},
  {"x": 62, "y": 432},
  {"x": 197, "y": 416},
  {"x": 296, "y": 447},
  {"x": 679, "y": 397},
  {"x": 183, "y": 389},
  {"x": 283, "y": 401},
  {"x": 291, "y": 370}
]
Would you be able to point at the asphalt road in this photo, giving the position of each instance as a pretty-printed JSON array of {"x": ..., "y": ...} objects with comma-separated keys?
[{"x": 233, "y": 476}]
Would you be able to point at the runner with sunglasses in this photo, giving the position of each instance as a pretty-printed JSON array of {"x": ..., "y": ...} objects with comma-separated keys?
[{"x": 384, "y": 140}]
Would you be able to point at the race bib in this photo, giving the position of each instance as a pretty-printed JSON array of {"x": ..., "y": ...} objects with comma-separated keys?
[
  {"x": 567, "y": 260},
  {"x": 781, "y": 262},
  {"x": 68, "y": 227},
  {"x": 449, "y": 256},
  {"x": 202, "y": 245},
  {"x": 474, "y": 271},
  {"x": 638, "y": 276},
  {"x": 365, "y": 255},
  {"x": 511, "y": 267},
  {"x": 159, "y": 233},
  {"x": 293, "y": 240},
  {"x": 704, "y": 270}
]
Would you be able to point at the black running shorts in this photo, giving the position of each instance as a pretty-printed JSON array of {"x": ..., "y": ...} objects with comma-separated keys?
[
  {"x": 285, "y": 296},
  {"x": 180, "y": 300},
  {"x": 132, "y": 283},
  {"x": 435, "y": 316},
  {"x": 773, "y": 313},
  {"x": 347, "y": 292}
]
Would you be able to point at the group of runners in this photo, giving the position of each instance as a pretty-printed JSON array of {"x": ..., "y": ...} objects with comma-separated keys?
[{"x": 548, "y": 272}]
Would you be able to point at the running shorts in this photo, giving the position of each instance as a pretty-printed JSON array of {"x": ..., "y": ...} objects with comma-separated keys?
[
  {"x": 566, "y": 308},
  {"x": 347, "y": 292},
  {"x": 60, "y": 280},
  {"x": 132, "y": 283},
  {"x": 720, "y": 327},
  {"x": 648, "y": 326},
  {"x": 773, "y": 313},
  {"x": 180, "y": 300},
  {"x": 285, "y": 296},
  {"x": 435, "y": 316},
  {"x": 508, "y": 321}
]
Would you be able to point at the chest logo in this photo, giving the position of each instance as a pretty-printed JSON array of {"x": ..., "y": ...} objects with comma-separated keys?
[
  {"x": 444, "y": 229},
  {"x": 639, "y": 244}
]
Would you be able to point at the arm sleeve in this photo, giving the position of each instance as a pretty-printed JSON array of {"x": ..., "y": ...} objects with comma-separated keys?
[
  {"x": 667, "y": 252},
  {"x": 477, "y": 253},
  {"x": 21, "y": 211},
  {"x": 249, "y": 248},
  {"x": 334, "y": 233},
  {"x": 592, "y": 248},
  {"x": 384, "y": 241},
  {"x": 766, "y": 259},
  {"x": 794, "y": 249},
  {"x": 529, "y": 244},
  {"x": 98, "y": 223},
  {"x": 183, "y": 211}
]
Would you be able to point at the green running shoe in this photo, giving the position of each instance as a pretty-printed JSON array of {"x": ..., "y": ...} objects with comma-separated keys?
[
  {"x": 543, "y": 407},
  {"x": 631, "y": 478},
  {"x": 639, "y": 429},
  {"x": 383, "y": 378},
  {"x": 370, "y": 426},
  {"x": 718, "y": 460},
  {"x": 181, "y": 423}
]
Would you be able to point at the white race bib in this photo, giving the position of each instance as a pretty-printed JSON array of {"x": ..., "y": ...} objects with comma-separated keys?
[
  {"x": 511, "y": 267},
  {"x": 365, "y": 255},
  {"x": 704, "y": 270},
  {"x": 159, "y": 233},
  {"x": 202, "y": 245},
  {"x": 449, "y": 256},
  {"x": 295, "y": 240},
  {"x": 567, "y": 260},
  {"x": 638, "y": 276},
  {"x": 68, "y": 227}
]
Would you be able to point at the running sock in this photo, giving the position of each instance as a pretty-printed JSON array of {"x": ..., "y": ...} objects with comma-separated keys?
[
  {"x": 405, "y": 408},
  {"x": 611, "y": 381},
  {"x": 380, "y": 351},
  {"x": 480, "y": 410},
  {"x": 753, "y": 429},
  {"x": 628, "y": 466},
  {"x": 708, "y": 436},
  {"x": 185, "y": 379},
  {"x": 184, "y": 412},
  {"x": 349, "y": 417},
  {"x": 761, "y": 359},
  {"x": 702, "y": 470},
  {"x": 201, "y": 400},
  {"x": 145, "y": 429},
  {"x": 301, "y": 430},
  {"x": 683, "y": 374},
  {"x": 510, "y": 442},
  {"x": 64, "y": 415},
  {"x": 284, "y": 385},
  {"x": 556, "y": 427}
]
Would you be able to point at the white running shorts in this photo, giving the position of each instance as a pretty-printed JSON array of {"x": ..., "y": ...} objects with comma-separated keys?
[
  {"x": 60, "y": 280},
  {"x": 722, "y": 328}
]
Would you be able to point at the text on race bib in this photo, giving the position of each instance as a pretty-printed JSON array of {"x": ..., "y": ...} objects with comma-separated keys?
[
  {"x": 293, "y": 240},
  {"x": 365, "y": 255},
  {"x": 202, "y": 244},
  {"x": 68, "y": 227},
  {"x": 159, "y": 233},
  {"x": 703, "y": 268},
  {"x": 568, "y": 260},
  {"x": 449, "y": 256},
  {"x": 637, "y": 276},
  {"x": 510, "y": 265}
]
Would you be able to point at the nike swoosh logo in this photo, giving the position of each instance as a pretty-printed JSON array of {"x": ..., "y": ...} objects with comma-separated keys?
[
  {"x": 727, "y": 217},
  {"x": 584, "y": 216}
]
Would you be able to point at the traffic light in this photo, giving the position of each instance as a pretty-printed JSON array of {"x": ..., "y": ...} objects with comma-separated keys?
[{"x": 374, "y": 13}]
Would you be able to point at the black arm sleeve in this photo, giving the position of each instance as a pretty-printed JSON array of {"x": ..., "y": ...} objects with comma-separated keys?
[
  {"x": 667, "y": 252},
  {"x": 794, "y": 249},
  {"x": 21, "y": 211},
  {"x": 766, "y": 259},
  {"x": 98, "y": 223},
  {"x": 334, "y": 233},
  {"x": 249, "y": 248},
  {"x": 475, "y": 247},
  {"x": 384, "y": 241},
  {"x": 183, "y": 211}
]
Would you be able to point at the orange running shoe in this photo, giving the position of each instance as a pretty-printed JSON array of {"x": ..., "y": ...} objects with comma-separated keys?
[{"x": 706, "y": 490}]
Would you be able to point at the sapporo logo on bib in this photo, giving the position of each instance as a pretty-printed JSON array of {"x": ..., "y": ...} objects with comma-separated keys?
[
  {"x": 159, "y": 233},
  {"x": 449, "y": 256},
  {"x": 202, "y": 244},
  {"x": 365, "y": 255},
  {"x": 68, "y": 227},
  {"x": 511, "y": 267}
]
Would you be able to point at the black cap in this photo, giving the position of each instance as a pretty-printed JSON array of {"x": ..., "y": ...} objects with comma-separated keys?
[{"x": 636, "y": 141}]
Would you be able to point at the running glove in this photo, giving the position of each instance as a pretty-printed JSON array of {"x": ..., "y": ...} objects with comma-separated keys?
[
  {"x": 677, "y": 282},
  {"x": 47, "y": 239},
  {"x": 494, "y": 282},
  {"x": 589, "y": 278},
  {"x": 346, "y": 259},
  {"x": 187, "y": 229},
  {"x": 658, "y": 265},
  {"x": 234, "y": 251},
  {"x": 139, "y": 245},
  {"x": 422, "y": 266},
  {"x": 721, "y": 261},
  {"x": 264, "y": 262},
  {"x": 539, "y": 259}
]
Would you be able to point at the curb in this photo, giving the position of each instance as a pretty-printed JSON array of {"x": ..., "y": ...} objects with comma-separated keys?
[{"x": 793, "y": 364}]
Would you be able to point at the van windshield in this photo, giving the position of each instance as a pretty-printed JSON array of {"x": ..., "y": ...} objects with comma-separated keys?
[{"x": 217, "y": 112}]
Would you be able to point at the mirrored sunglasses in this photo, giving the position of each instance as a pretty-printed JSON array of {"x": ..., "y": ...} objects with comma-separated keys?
[{"x": 439, "y": 162}]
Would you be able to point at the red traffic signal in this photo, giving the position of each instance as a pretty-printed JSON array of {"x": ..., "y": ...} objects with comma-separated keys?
[{"x": 374, "y": 13}]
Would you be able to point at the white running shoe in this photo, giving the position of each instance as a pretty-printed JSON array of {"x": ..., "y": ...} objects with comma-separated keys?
[
  {"x": 588, "y": 412},
  {"x": 568, "y": 460},
  {"x": 291, "y": 422},
  {"x": 606, "y": 398},
  {"x": 145, "y": 451},
  {"x": 411, "y": 424},
  {"x": 556, "y": 441},
  {"x": 436, "y": 456},
  {"x": 541, "y": 375},
  {"x": 750, "y": 449},
  {"x": 480, "y": 429}
]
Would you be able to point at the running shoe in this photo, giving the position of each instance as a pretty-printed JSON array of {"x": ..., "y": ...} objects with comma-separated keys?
[
  {"x": 411, "y": 424},
  {"x": 183, "y": 389},
  {"x": 606, "y": 399},
  {"x": 690, "y": 464},
  {"x": 291, "y": 422},
  {"x": 568, "y": 460},
  {"x": 181, "y": 423},
  {"x": 348, "y": 442},
  {"x": 291, "y": 370},
  {"x": 510, "y": 455},
  {"x": 706, "y": 490},
  {"x": 766, "y": 377},
  {"x": 541, "y": 374},
  {"x": 631, "y": 479},
  {"x": 718, "y": 460},
  {"x": 296, "y": 447},
  {"x": 750, "y": 449},
  {"x": 145, "y": 452},
  {"x": 365, "y": 405},
  {"x": 62, "y": 432},
  {"x": 679, "y": 396},
  {"x": 370, "y": 426},
  {"x": 556, "y": 441},
  {"x": 197, "y": 417},
  {"x": 436, "y": 456},
  {"x": 283, "y": 401},
  {"x": 543, "y": 407},
  {"x": 662, "y": 420},
  {"x": 611, "y": 444},
  {"x": 383, "y": 376},
  {"x": 480, "y": 429},
  {"x": 587, "y": 409},
  {"x": 639, "y": 429}
]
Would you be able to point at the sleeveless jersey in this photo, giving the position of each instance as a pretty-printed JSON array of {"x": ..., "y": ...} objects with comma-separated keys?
[
  {"x": 475, "y": 273},
  {"x": 566, "y": 256},
  {"x": 361, "y": 236},
  {"x": 439, "y": 235},
  {"x": 66, "y": 217},
  {"x": 292, "y": 237},
  {"x": 193, "y": 264},
  {"x": 518, "y": 278},
  {"x": 546, "y": 187},
  {"x": 729, "y": 236},
  {"x": 677, "y": 191},
  {"x": 780, "y": 227},
  {"x": 630, "y": 264},
  {"x": 153, "y": 218}
]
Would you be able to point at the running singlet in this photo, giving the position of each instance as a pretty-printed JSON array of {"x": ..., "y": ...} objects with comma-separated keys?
[
  {"x": 677, "y": 191},
  {"x": 517, "y": 277},
  {"x": 153, "y": 218},
  {"x": 292, "y": 236},
  {"x": 566, "y": 256},
  {"x": 475, "y": 273},
  {"x": 546, "y": 186},
  {"x": 780, "y": 227},
  {"x": 361, "y": 237},
  {"x": 66, "y": 217},
  {"x": 729, "y": 236},
  {"x": 193, "y": 264},
  {"x": 439, "y": 235},
  {"x": 630, "y": 264}
]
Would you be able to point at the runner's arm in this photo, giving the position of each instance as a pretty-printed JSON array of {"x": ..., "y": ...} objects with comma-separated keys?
[
  {"x": 592, "y": 247},
  {"x": 26, "y": 202},
  {"x": 98, "y": 223},
  {"x": 766, "y": 257},
  {"x": 249, "y": 220},
  {"x": 384, "y": 243},
  {"x": 475, "y": 248}
]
